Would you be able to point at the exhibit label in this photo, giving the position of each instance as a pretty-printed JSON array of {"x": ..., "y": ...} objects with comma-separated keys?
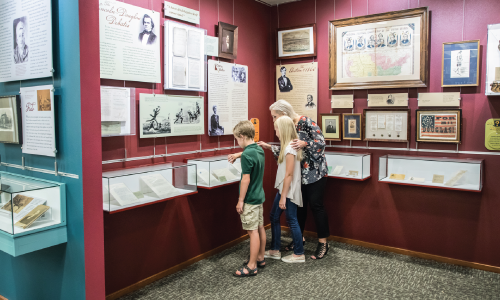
[
  {"x": 182, "y": 13},
  {"x": 398, "y": 99},
  {"x": 439, "y": 99},
  {"x": 211, "y": 45},
  {"x": 342, "y": 101}
]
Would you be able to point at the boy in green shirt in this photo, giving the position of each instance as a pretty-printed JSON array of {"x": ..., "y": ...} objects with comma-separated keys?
[{"x": 251, "y": 197}]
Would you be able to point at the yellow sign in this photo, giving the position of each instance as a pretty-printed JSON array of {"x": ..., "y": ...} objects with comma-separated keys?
[
  {"x": 255, "y": 123},
  {"x": 492, "y": 134}
]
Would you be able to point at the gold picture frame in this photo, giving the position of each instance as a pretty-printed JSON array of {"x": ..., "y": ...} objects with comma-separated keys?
[
  {"x": 331, "y": 126},
  {"x": 439, "y": 126},
  {"x": 454, "y": 65}
]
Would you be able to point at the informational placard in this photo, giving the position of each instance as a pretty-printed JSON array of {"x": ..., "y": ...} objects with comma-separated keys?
[
  {"x": 25, "y": 39},
  {"x": 439, "y": 99},
  {"x": 182, "y": 13},
  {"x": 211, "y": 45},
  {"x": 492, "y": 134},
  {"x": 298, "y": 84},
  {"x": 380, "y": 100},
  {"x": 342, "y": 101},
  {"x": 117, "y": 111},
  {"x": 227, "y": 96},
  {"x": 37, "y": 108},
  {"x": 169, "y": 115},
  {"x": 492, "y": 82},
  {"x": 129, "y": 42}
]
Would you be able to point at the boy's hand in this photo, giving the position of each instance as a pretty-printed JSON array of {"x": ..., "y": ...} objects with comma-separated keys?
[
  {"x": 231, "y": 158},
  {"x": 282, "y": 203},
  {"x": 239, "y": 207}
]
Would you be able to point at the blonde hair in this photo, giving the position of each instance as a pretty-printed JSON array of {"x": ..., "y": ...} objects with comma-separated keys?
[
  {"x": 288, "y": 133},
  {"x": 284, "y": 108},
  {"x": 244, "y": 128}
]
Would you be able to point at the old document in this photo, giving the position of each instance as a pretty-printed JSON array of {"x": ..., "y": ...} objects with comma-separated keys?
[
  {"x": 179, "y": 45},
  {"x": 194, "y": 44},
  {"x": 194, "y": 73},
  {"x": 456, "y": 177},
  {"x": 179, "y": 71}
]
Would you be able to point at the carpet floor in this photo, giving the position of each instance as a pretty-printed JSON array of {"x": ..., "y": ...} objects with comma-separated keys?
[{"x": 347, "y": 272}]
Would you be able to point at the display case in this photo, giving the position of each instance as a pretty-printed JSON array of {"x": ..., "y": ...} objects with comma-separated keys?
[
  {"x": 32, "y": 213},
  {"x": 216, "y": 171},
  {"x": 346, "y": 165},
  {"x": 130, "y": 188},
  {"x": 444, "y": 173}
]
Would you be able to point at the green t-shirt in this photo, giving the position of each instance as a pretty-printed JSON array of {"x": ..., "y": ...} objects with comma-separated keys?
[{"x": 252, "y": 162}]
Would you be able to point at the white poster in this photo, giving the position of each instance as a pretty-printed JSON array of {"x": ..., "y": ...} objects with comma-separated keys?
[
  {"x": 129, "y": 42},
  {"x": 25, "y": 39},
  {"x": 227, "y": 96},
  {"x": 117, "y": 111},
  {"x": 37, "y": 108},
  {"x": 460, "y": 63}
]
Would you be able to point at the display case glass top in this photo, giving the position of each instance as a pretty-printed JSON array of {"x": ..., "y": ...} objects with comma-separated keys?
[
  {"x": 348, "y": 165},
  {"x": 216, "y": 171}
]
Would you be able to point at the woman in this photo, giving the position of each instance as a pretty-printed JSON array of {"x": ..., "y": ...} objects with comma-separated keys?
[{"x": 313, "y": 169}]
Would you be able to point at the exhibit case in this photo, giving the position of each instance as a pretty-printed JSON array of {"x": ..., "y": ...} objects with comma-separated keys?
[
  {"x": 346, "y": 165},
  {"x": 32, "y": 213},
  {"x": 433, "y": 172},
  {"x": 129, "y": 188},
  {"x": 216, "y": 171}
]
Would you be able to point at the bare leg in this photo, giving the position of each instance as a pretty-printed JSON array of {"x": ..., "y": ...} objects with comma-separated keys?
[
  {"x": 254, "y": 250},
  {"x": 262, "y": 236}
]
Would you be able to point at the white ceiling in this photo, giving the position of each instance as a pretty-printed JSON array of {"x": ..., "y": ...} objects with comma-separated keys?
[{"x": 275, "y": 2}]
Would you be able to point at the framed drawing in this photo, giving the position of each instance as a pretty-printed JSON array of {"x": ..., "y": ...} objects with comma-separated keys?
[
  {"x": 352, "y": 124},
  {"x": 10, "y": 120},
  {"x": 331, "y": 126},
  {"x": 493, "y": 61},
  {"x": 389, "y": 125},
  {"x": 460, "y": 64},
  {"x": 228, "y": 41},
  {"x": 387, "y": 50},
  {"x": 439, "y": 126},
  {"x": 297, "y": 41}
]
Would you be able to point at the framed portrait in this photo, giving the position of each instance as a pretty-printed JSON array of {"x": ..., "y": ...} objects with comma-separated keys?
[
  {"x": 10, "y": 120},
  {"x": 297, "y": 41},
  {"x": 228, "y": 41},
  {"x": 439, "y": 126},
  {"x": 492, "y": 86},
  {"x": 387, "y": 125},
  {"x": 387, "y": 50},
  {"x": 460, "y": 64},
  {"x": 352, "y": 124},
  {"x": 331, "y": 126}
]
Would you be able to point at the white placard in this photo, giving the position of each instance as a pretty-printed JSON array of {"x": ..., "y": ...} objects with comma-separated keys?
[
  {"x": 228, "y": 93},
  {"x": 129, "y": 42},
  {"x": 37, "y": 108},
  {"x": 182, "y": 13},
  {"x": 378, "y": 100},
  {"x": 439, "y": 99},
  {"x": 342, "y": 101},
  {"x": 115, "y": 104},
  {"x": 211, "y": 45},
  {"x": 25, "y": 39}
]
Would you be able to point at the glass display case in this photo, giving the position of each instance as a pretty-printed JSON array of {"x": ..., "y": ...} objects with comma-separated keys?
[
  {"x": 128, "y": 188},
  {"x": 348, "y": 165},
  {"x": 216, "y": 171},
  {"x": 444, "y": 173}
]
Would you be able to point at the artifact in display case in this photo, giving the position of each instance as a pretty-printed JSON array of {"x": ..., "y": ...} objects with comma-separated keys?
[
  {"x": 216, "y": 171},
  {"x": 117, "y": 111},
  {"x": 445, "y": 173},
  {"x": 346, "y": 165},
  {"x": 387, "y": 125},
  {"x": 228, "y": 40},
  {"x": 460, "y": 64},
  {"x": 295, "y": 42},
  {"x": 352, "y": 124},
  {"x": 127, "y": 188},
  {"x": 10, "y": 120},
  {"x": 439, "y": 126},
  {"x": 493, "y": 61}
]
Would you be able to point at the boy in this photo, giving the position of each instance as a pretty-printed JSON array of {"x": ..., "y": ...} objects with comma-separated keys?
[{"x": 251, "y": 197}]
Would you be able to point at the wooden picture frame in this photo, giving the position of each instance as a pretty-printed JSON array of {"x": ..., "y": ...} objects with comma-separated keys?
[
  {"x": 454, "y": 67},
  {"x": 387, "y": 135},
  {"x": 349, "y": 132},
  {"x": 337, "y": 126},
  {"x": 439, "y": 126},
  {"x": 290, "y": 40},
  {"x": 228, "y": 34},
  {"x": 393, "y": 35}
]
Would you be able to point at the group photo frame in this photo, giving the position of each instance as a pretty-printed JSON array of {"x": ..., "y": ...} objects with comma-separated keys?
[
  {"x": 352, "y": 126},
  {"x": 228, "y": 40},
  {"x": 331, "y": 126},
  {"x": 460, "y": 64},
  {"x": 296, "y": 41},
  {"x": 439, "y": 126}
]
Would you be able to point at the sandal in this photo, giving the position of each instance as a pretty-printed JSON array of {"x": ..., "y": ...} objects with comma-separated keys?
[
  {"x": 290, "y": 246},
  {"x": 260, "y": 264},
  {"x": 321, "y": 250},
  {"x": 242, "y": 274}
]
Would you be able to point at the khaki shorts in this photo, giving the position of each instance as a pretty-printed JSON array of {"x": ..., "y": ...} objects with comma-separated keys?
[{"x": 252, "y": 216}]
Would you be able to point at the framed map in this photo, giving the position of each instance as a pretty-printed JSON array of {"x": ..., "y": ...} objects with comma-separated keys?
[
  {"x": 386, "y": 50},
  {"x": 439, "y": 126}
]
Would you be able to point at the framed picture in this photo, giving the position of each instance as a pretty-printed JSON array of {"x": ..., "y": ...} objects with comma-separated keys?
[
  {"x": 10, "y": 120},
  {"x": 228, "y": 41},
  {"x": 460, "y": 64},
  {"x": 389, "y": 125},
  {"x": 352, "y": 126},
  {"x": 297, "y": 41},
  {"x": 331, "y": 126},
  {"x": 493, "y": 61},
  {"x": 439, "y": 126},
  {"x": 387, "y": 50}
]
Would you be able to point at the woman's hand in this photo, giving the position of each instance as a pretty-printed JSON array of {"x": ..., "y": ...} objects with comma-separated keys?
[
  {"x": 231, "y": 158},
  {"x": 282, "y": 203},
  {"x": 264, "y": 145},
  {"x": 298, "y": 144}
]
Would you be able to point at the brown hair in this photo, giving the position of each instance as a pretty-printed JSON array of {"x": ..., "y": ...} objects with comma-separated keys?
[{"x": 244, "y": 128}]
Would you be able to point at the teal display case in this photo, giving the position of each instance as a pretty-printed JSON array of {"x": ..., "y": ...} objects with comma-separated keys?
[{"x": 32, "y": 214}]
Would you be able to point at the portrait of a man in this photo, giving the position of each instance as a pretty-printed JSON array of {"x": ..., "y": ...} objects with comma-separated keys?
[
  {"x": 227, "y": 42},
  {"x": 390, "y": 99},
  {"x": 20, "y": 48},
  {"x": 147, "y": 36},
  {"x": 310, "y": 104},
  {"x": 331, "y": 127},
  {"x": 43, "y": 100},
  {"x": 284, "y": 83},
  {"x": 215, "y": 127}
]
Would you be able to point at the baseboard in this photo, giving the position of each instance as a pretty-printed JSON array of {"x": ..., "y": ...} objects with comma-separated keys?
[
  {"x": 428, "y": 256},
  {"x": 174, "y": 269}
]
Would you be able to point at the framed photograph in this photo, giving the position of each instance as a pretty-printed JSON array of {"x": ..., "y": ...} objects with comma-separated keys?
[
  {"x": 297, "y": 41},
  {"x": 439, "y": 126},
  {"x": 228, "y": 41},
  {"x": 352, "y": 124},
  {"x": 10, "y": 120},
  {"x": 331, "y": 126},
  {"x": 387, "y": 50},
  {"x": 387, "y": 125},
  {"x": 460, "y": 64},
  {"x": 493, "y": 61}
]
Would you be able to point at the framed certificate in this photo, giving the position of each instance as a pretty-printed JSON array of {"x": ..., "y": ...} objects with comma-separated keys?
[
  {"x": 352, "y": 126},
  {"x": 460, "y": 64},
  {"x": 439, "y": 126},
  {"x": 331, "y": 126},
  {"x": 387, "y": 125}
]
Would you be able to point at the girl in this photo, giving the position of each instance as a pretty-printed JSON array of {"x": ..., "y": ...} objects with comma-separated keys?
[{"x": 289, "y": 196}]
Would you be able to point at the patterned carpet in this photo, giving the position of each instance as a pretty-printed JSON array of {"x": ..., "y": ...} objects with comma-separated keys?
[{"x": 348, "y": 272}]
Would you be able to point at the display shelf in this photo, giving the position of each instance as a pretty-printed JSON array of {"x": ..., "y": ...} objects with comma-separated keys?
[
  {"x": 131, "y": 188},
  {"x": 216, "y": 171},
  {"x": 431, "y": 172},
  {"x": 32, "y": 213},
  {"x": 347, "y": 165}
]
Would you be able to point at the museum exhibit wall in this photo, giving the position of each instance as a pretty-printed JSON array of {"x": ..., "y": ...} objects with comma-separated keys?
[{"x": 455, "y": 224}]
